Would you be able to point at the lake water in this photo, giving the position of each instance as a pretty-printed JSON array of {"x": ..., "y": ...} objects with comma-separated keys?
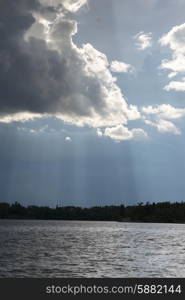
[{"x": 91, "y": 249}]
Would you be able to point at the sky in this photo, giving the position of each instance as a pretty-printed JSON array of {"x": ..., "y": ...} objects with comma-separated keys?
[{"x": 92, "y": 102}]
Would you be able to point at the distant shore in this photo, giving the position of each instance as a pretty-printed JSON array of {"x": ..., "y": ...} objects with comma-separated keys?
[{"x": 162, "y": 212}]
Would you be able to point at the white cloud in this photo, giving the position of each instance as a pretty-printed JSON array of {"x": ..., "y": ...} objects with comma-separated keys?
[
  {"x": 70, "y": 5},
  {"x": 122, "y": 133},
  {"x": 139, "y": 134},
  {"x": 176, "y": 64},
  {"x": 172, "y": 74},
  {"x": 94, "y": 98},
  {"x": 164, "y": 126},
  {"x": 68, "y": 139},
  {"x": 144, "y": 40},
  {"x": 121, "y": 67},
  {"x": 73, "y": 5},
  {"x": 99, "y": 132},
  {"x": 175, "y": 40},
  {"x": 164, "y": 111},
  {"x": 97, "y": 93},
  {"x": 176, "y": 86},
  {"x": 33, "y": 130},
  {"x": 161, "y": 115},
  {"x": 20, "y": 117},
  {"x": 119, "y": 133}
]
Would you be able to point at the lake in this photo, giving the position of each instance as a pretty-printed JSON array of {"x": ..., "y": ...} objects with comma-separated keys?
[{"x": 52, "y": 249}]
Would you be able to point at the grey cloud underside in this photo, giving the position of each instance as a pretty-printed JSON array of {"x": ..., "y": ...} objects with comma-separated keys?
[
  {"x": 29, "y": 74},
  {"x": 55, "y": 78},
  {"x": 33, "y": 77}
]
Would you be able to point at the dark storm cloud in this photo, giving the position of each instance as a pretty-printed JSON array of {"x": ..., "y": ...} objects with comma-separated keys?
[{"x": 30, "y": 75}]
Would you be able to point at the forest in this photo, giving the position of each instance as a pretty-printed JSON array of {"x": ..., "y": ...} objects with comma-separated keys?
[{"x": 161, "y": 212}]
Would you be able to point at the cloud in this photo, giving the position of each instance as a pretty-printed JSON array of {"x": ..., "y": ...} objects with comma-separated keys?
[
  {"x": 33, "y": 130},
  {"x": 19, "y": 117},
  {"x": 44, "y": 73},
  {"x": 164, "y": 111},
  {"x": 178, "y": 86},
  {"x": 99, "y": 132},
  {"x": 73, "y": 5},
  {"x": 175, "y": 40},
  {"x": 119, "y": 132},
  {"x": 159, "y": 116},
  {"x": 143, "y": 40},
  {"x": 70, "y": 5},
  {"x": 172, "y": 74},
  {"x": 121, "y": 67},
  {"x": 164, "y": 126},
  {"x": 122, "y": 133},
  {"x": 68, "y": 139}
]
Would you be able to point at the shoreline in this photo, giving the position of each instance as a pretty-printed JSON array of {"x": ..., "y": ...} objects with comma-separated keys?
[
  {"x": 161, "y": 212},
  {"x": 111, "y": 221}
]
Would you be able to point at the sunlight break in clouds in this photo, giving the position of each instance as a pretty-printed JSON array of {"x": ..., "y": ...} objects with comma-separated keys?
[{"x": 143, "y": 40}]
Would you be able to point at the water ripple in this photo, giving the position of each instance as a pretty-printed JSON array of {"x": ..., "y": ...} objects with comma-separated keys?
[{"x": 91, "y": 249}]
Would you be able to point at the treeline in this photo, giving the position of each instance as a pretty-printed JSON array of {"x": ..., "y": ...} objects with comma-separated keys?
[{"x": 156, "y": 212}]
